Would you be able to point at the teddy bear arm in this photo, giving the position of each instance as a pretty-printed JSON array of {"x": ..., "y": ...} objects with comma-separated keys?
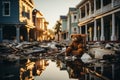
[
  {"x": 77, "y": 52},
  {"x": 68, "y": 51},
  {"x": 80, "y": 46}
]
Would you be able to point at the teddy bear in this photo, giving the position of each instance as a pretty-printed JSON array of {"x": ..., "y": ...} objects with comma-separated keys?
[{"x": 76, "y": 48}]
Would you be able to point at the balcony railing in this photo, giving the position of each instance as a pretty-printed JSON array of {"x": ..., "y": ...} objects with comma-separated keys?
[
  {"x": 86, "y": 17},
  {"x": 104, "y": 9},
  {"x": 116, "y": 3},
  {"x": 107, "y": 8},
  {"x": 99, "y": 11}
]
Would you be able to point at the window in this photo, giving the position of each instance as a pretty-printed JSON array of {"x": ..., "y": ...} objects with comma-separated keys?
[
  {"x": 75, "y": 17},
  {"x": 28, "y": 14},
  {"x": 106, "y": 2},
  {"x": 23, "y": 10},
  {"x": 6, "y": 8},
  {"x": 87, "y": 5},
  {"x": 83, "y": 12},
  {"x": 75, "y": 31},
  {"x": 98, "y": 6}
]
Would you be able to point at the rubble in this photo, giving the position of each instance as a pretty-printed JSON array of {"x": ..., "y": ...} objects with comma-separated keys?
[
  {"x": 11, "y": 51},
  {"x": 95, "y": 55},
  {"x": 103, "y": 49}
]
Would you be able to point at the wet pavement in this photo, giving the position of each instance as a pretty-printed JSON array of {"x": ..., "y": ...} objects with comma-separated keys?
[
  {"x": 56, "y": 69},
  {"x": 54, "y": 72},
  {"x": 9, "y": 71},
  {"x": 35, "y": 61}
]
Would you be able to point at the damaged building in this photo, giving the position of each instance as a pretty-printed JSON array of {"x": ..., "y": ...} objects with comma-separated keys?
[
  {"x": 99, "y": 19},
  {"x": 16, "y": 20}
]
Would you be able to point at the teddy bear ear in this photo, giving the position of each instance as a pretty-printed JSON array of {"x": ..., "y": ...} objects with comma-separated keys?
[{"x": 71, "y": 36}]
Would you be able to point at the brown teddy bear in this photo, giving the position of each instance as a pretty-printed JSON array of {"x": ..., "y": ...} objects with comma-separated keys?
[{"x": 76, "y": 47}]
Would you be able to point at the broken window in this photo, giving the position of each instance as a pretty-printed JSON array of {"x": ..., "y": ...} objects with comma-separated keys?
[{"x": 6, "y": 8}]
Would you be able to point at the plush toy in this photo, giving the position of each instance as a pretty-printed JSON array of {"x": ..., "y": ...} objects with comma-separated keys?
[{"x": 76, "y": 47}]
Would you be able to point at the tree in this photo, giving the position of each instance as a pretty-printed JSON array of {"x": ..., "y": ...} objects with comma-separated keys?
[{"x": 58, "y": 28}]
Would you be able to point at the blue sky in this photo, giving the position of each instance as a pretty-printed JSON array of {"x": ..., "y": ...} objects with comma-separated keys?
[{"x": 52, "y": 9}]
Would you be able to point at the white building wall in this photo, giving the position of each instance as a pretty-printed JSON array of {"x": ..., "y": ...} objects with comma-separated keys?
[
  {"x": 74, "y": 18},
  {"x": 73, "y": 30}
]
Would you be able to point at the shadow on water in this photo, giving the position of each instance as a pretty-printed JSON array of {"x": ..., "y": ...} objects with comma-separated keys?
[
  {"x": 9, "y": 71},
  {"x": 56, "y": 69}
]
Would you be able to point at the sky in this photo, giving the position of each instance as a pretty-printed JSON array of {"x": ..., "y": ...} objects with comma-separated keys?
[{"x": 53, "y": 9}]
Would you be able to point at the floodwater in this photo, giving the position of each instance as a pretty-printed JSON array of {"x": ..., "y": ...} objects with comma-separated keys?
[
  {"x": 55, "y": 69},
  {"x": 54, "y": 72}
]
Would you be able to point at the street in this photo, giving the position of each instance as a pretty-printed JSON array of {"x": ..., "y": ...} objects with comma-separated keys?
[{"x": 45, "y": 61}]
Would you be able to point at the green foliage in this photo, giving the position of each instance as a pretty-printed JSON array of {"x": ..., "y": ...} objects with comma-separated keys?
[{"x": 57, "y": 28}]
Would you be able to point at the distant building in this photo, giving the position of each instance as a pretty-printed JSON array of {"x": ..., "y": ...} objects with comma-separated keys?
[
  {"x": 16, "y": 20},
  {"x": 46, "y": 33},
  {"x": 99, "y": 19},
  {"x": 40, "y": 25},
  {"x": 72, "y": 22},
  {"x": 64, "y": 33}
]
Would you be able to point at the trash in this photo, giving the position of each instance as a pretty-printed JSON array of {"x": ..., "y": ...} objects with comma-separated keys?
[{"x": 86, "y": 58}]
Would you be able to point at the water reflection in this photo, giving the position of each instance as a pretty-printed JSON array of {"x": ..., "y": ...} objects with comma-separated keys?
[
  {"x": 54, "y": 72},
  {"x": 31, "y": 69},
  {"x": 54, "y": 69},
  {"x": 9, "y": 71},
  {"x": 75, "y": 69},
  {"x": 103, "y": 70}
]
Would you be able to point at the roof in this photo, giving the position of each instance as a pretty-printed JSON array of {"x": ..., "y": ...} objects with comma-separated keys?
[
  {"x": 37, "y": 11},
  {"x": 63, "y": 17},
  {"x": 81, "y": 2},
  {"x": 31, "y": 1},
  {"x": 72, "y": 9}
]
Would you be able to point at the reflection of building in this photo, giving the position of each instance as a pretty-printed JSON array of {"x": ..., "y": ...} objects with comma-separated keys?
[
  {"x": 61, "y": 65},
  {"x": 40, "y": 24},
  {"x": 100, "y": 19},
  {"x": 41, "y": 64},
  {"x": 32, "y": 69},
  {"x": 26, "y": 72},
  {"x": 16, "y": 19}
]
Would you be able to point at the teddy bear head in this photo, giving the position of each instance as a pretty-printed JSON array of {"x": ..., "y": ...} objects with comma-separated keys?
[{"x": 76, "y": 38}]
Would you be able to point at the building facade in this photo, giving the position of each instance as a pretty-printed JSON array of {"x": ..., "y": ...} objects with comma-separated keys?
[
  {"x": 40, "y": 25},
  {"x": 99, "y": 19},
  {"x": 72, "y": 22},
  {"x": 46, "y": 33},
  {"x": 64, "y": 33},
  {"x": 16, "y": 20}
]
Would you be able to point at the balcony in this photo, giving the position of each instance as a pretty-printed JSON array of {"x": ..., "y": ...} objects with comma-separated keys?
[
  {"x": 102, "y": 10},
  {"x": 116, "y": 3},
  {"x": 87, "y": 18},
  {"x": 97, "y": 12},
  {"x": 107, "y": 8}
]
